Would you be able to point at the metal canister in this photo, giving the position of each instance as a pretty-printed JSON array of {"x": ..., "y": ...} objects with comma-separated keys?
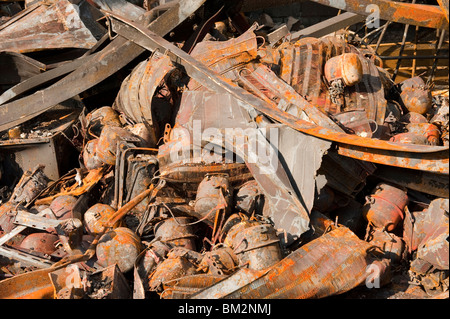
[
  {"x": 413, "y": 117},
  {"x": 256, "y": 245},
  {"x": 247, "y": 198},
  {"x": 356, "y": 122},
  {"x": 385, "y": 207},
  {"x": 40, "y": 242},
  {"x": 169, "y": 269},
  {"x": 120, "y": 246},
  {"x": 219, "y": 261},
  {"x": 213, "y": 192},
  {"x": 409, "y": 138},
  {"x": 90, "y": 157},
  {"x": 346, "y": 66},
  {"x": 96, "y": 216},
  {"x": 176, "y": 231},
  {"x": 392, "y": 245},
  {"x": 430, "y": 131},
  {"x": 107, "y": 142},
  {"x": 100, "y": 117},
  {"x": 416, "y": 99}
]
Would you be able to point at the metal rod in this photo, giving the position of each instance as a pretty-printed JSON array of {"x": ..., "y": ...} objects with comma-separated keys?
[
  {"x": 417, "y": 57},
  {"x": 414, "y": 63},
  {"x": 402, "y": 48},
  {"x": 438, "y": 49},
  {"x": 382, "y": 35}
]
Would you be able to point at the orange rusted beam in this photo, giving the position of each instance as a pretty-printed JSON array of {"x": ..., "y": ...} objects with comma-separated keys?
[
  {"x": 444, "y": 6},
  {"x": 414, "y": 14}
]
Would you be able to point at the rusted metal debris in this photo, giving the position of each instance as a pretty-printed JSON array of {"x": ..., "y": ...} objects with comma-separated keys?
[{"x": 181, "y": 150}]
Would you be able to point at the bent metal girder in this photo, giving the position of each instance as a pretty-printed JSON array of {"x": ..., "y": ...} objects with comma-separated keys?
[
  {"x": 407, "y": 13},
  {"x": 108, "y": 61},
  {"x": 419, "y": 157},
  {"x": 421, "y": 15}
]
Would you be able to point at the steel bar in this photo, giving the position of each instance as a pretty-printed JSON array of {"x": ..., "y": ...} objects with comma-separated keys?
[{"x": 328, "y": 26}]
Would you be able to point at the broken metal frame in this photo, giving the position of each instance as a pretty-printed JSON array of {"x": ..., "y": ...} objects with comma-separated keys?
[
  {"x": 112, "y": 58},
  {"x": 421, "y": 157}
]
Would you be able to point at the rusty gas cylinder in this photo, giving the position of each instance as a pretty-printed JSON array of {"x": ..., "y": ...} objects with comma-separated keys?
[
  {"x": 256, "y": 245},
  {"x": 356, "y": 122},
  {"x": 40, "y": 242},
  {"x": 146, "y": 133},
  {"x": 169, "y": 269},
  {"x": 392, "y": 245},
  {"x": 120, "y": 246},
  {"x": 101, "y": 117},
  {"x": 409, "y": 138},
  {"x": 416, "y": 99},
  {"x": 430, "y": 131},
  {"x": 176, "y": 232},
  {"x": 385, "y": 207},
  {"x": 248, "y": 197},
  {"x": 96, "y": 216},
  {"x": 107, "y": 142},
  {"x": 154, "y": 255},
  {"x": 221, "y": 260},
  {"x": 90, "y": 156},
  {"x": 62, "y": 206},
  {"x": 7, "y": 213},
  {"x": 413, "y": 117},
  {"x": 213, "y": 192},
  {"x": 346, "y": 66}
]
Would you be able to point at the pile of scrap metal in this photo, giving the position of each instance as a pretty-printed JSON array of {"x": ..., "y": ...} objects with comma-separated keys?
[{"x": 233, "y": 161}]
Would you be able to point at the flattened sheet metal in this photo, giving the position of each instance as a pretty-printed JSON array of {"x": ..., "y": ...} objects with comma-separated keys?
[
  {"x": 112, "y": 58},
  {"x": 431, "y": 155},
  {"x": 52, "y": 26},
  {"x": 302, "y": 154}
]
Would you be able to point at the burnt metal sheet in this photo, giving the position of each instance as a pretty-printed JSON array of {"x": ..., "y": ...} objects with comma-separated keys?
[
  {"x": 265, "y": 84},
  {"x": 49, "y": 26},
  {"x": 430, "y": 156},
  {"x": 223, "y": 111},
  {"x": 112, "y": 58},
  {"x": 302, "y": 156}
]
